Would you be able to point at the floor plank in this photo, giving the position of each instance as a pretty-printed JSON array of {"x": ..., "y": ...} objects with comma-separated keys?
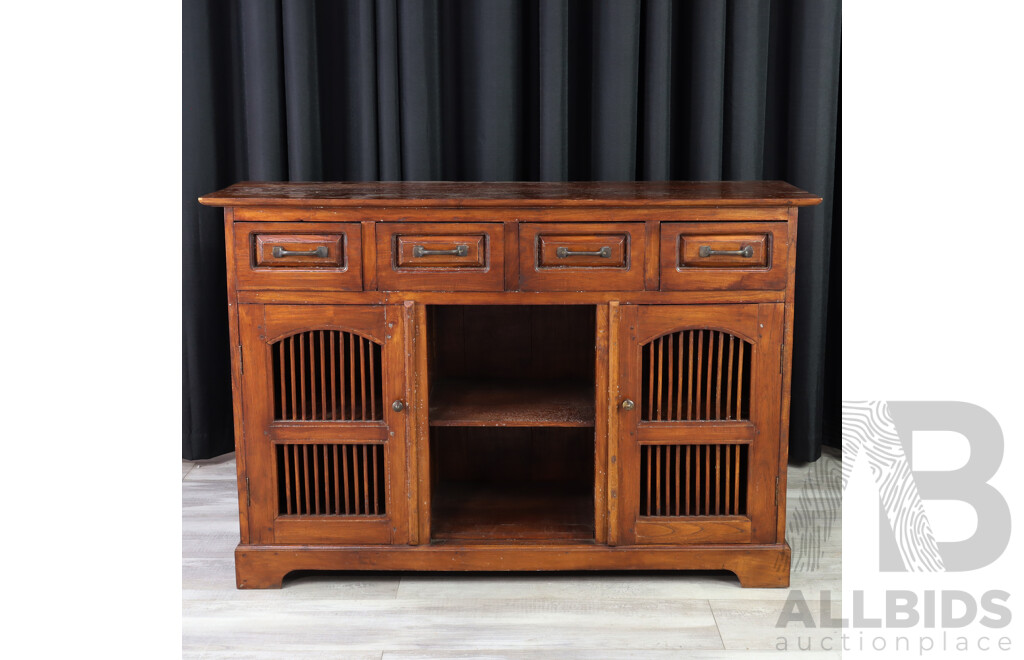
[
  {"x": 701, "y": 615},
  {"x": 753, "y": 625}
]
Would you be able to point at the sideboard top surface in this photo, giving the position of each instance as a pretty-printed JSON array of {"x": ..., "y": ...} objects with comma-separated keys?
[{"x": 462, "y": 194}]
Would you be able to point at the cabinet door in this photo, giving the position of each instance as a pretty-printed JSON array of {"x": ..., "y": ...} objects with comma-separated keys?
[
  {"x": 324, "y": 445},
  {"x": 697, "y": 447}
]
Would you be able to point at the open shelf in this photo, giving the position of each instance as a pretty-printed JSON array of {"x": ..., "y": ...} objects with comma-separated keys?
[
  {"x": 512, "y": 421},
  {"x": 473, "y": 402},
  {"x": 512, "y": 484},
  {"x": 513, "y": 512}
]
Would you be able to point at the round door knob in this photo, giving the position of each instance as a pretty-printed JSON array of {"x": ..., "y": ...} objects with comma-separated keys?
[
  {"x": 398, "y": 406},
  {"x": 628, "y": 404}
]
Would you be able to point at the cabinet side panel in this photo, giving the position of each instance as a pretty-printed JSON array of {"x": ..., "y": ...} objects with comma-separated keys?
[
  {"x": 765, "y": 490},
  {"x": 236, "y": 374},
  {"x": 787, "y": 375}
]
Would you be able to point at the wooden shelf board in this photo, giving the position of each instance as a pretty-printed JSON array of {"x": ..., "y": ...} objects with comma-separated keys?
[
  {"x": 512, "y": 403},
  {"x": 520, "y": 511}
]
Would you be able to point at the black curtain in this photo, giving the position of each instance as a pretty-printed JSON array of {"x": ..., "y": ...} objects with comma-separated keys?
[{"x": 502, "y": 90}]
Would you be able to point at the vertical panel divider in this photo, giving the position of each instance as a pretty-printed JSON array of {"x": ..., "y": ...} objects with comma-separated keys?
[
  {"x": 604, "y": 362},
  {"x": 418, "y": 443},
  {"x": 614, "y": 438}
]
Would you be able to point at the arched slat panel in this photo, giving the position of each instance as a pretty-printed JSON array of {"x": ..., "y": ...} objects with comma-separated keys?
[
  {"x": 312, "y": 381},
  {"x": 696, "y": 375}
]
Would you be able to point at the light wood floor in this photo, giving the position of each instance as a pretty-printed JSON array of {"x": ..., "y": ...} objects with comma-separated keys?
[{"x": 561, "y": 615}]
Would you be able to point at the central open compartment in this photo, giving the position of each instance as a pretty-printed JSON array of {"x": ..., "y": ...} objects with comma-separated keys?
[{"x": 512, "y": 401}]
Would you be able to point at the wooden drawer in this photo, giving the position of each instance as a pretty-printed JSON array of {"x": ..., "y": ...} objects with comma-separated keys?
[
  {"x": 723, "y": 255},
  {"x": 422, "y": 256},
  {"x": 607, "y": 256},
  {"x": 298, "y": 255}
]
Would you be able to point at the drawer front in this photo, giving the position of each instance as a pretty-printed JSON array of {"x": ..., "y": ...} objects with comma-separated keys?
[
  {"x": 421, "y": 256},
  {"x": 581, "y": 256},
  {"x": 723, "y": 255},
  {"x": 302, "y": 255}
]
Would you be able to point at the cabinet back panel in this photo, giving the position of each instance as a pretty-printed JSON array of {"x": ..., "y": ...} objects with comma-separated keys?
[{"x": 549, "y": 342}]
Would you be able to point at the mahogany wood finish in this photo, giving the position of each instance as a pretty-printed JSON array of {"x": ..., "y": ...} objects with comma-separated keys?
[
  {"x": 511, "y": 376},
  {"x": 578, "y": 256},
  {"x": 691, "y": 259}
]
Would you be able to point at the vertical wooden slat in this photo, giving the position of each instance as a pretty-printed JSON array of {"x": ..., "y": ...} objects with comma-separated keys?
[
  {"x": 282, "y": 414},
  {"x": 376, "y": 499},
  {"x": 679, "y": 378},
  {"x": 707, "y": 481},
  {"x": 356, "y": 496},
  {"x": 696, "y": 480},
  {"x": 709, "y": 377},
  {"x": 668, "y": 479},
  {"x": 739, "y": 383},
  {"x": 334, "y": 394},
  {"x": 686, "y": 496},
  {"x": 312, "y": 374},
  {"x": 316, "y": 480},
  {"x": 689, "y": 382},
  {"x": 372, "y": 347},
  {"x": 729, "y": 381},
  {"x": 728, "y": 474},
  {"x": 351, "y": 376},
  {"x": 718, "y": 479},
  {"x": 718, "y": 378},
  {"x": 657, "y": 480},
  {"x": 305, "y": 477},
  {"x": 700, "y": 364},
  {"x": 326, "y": 479},
  {"x": 295, "y": 481},
  {"x": 363, "y": 376},
  {"x": 650, "y": 381},
  {"x": 344, "y": 477},
  {"x": 647, "y": 454},
  {"x": 366, "y": 483},
  {"x": 287, "y": 479},
  {"x": 669, "y": 377},
  {"x": 661, "y": 358},
  {"x": 337, "y": 482},
  {"x": 302, "y": 375},
  {"x": 679, "y": 479},
  {"x": 341, "y": 375},
  {"x": 323, "y": 378},
  {"x": 291, "y": 366}
]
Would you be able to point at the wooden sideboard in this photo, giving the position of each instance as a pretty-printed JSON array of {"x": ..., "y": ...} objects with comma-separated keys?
[{"x": 511, "y": 376}]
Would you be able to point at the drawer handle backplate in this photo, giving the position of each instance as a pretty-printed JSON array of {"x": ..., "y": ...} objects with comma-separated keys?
[
  {"x": 564, "y": 252},
  {"x": 281, "y": 252},
  {"x": 457, "y": 251},
  {"x": 706, "y": 251}
]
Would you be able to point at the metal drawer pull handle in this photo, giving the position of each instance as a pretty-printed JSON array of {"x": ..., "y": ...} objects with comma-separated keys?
[
  {"x": 281, "y": 252},
  {"x": 706, "y": 251},
  {"x": 457, "y": 251},
  {"x": 564, "y": 252}
]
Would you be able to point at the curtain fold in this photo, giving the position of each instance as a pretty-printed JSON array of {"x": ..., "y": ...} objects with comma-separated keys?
[{"x": 505, "y": 90}]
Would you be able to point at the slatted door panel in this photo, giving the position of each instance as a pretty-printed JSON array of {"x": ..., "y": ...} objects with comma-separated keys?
[
  {"x": 698, "y": 450},
  {"x": 325, "y": 451}
]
